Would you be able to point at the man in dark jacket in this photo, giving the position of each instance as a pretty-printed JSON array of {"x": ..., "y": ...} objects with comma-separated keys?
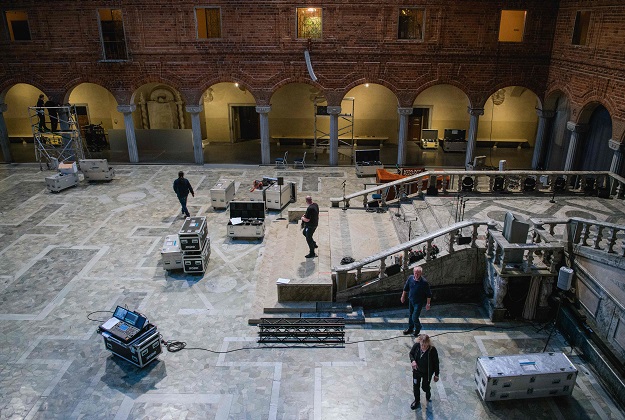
[
  {"x": 182, "y": 187},
  {"x": 41, "y": 113},
  {"x": 419, "y": 295},
  {"x": 424, "y": 361},
  {"x": 53, "y": 113},
  {"x": 310, "y": 220}
]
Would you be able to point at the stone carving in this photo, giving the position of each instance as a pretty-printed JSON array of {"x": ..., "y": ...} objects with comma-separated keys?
[
  {"x": 501, "y": 288},
  {"x": 163, "y": 110}
]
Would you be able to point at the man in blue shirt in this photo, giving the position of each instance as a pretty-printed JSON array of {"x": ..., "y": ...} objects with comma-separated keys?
[{"x": 418, "y": 292}]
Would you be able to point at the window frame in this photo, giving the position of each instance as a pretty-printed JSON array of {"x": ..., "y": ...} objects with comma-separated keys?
[
  {"x": 422, "y": 24},
  {"x": 526, "y": 11},
  {"x": 577, "y": 14},
  {"x": 297, "y": 22},
  {"x": 197, "y": 35},
  {"x": 105, "y": 58},
  {"x": 10, "y": 34}
]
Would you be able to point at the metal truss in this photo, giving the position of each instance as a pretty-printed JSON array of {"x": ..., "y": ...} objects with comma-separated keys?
[{"x": 302, "y": 330}]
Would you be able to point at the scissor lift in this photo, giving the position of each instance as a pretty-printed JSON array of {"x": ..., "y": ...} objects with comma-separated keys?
[
  {"x": 61, "y": 145},
  {"x": 346, "y": 125}
]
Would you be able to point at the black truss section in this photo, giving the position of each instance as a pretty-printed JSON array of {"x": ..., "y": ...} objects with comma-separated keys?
[{"x": 302, "y": 330}]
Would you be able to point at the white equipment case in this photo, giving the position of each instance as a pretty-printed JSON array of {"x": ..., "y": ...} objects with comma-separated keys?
[
  {"x": 259, "y": 193},
  {"x": 96, "y": 170},
  {"x": 193, "y": 233},
  {"x": 222, "y": 193},
  {"x": 171, "y": 256},
  {"x": 252, "y": 219},
  {"x": 278, "y": 196},
  {"x": 367, "y": 162},
  {"x": 60, "y": 182},
  {"x": 196, "y": 261},
  {"x": 524, "y": 376}
]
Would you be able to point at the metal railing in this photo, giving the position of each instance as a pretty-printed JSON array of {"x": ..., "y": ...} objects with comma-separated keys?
[{"x": 518, "y": 181}]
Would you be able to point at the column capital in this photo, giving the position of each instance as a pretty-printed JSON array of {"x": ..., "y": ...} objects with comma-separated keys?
[
  {"x": 615, "y": 145},
  {"x": 404, "y": 111},
  {"x": 126, "y": 109},
  {"x": 194, "y": 109},
  {"x": 3, "y": 108},
  {"x": 545, "y": 113},
  {"x": 263, "y": 109},
  {"x": 476, "y": 112},
  {"x": 576, "y": 128},
  {"x": 334, "y": 110}
]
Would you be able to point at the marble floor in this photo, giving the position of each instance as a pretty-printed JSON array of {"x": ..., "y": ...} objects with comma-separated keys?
[{"x": 68, "y": 259}]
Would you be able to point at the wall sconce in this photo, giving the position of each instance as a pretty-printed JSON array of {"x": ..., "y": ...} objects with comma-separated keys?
[
  {"x": 366, "y": 84},
  {"x": 236, "y": 84}
]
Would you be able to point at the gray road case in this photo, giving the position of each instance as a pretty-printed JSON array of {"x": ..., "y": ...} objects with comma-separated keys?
[
  {"x": 222, "y": 193},
  {"x": 60, "y": 182},
  {"x": 193, "y": 233},
  {"x": 278, "y": 196},
  {"x": 524, "y": 376},
  {"x": 252, "y": 215},
  {"x": 171, "y": 256},
  {"x": 96, "y": 170},
  {"x": 367, "y": 162}
]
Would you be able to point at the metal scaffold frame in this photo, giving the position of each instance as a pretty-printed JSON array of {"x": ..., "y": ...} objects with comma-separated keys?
[
  {"x": 62, "y": 144},
  {"x": 346, "y": 131}
]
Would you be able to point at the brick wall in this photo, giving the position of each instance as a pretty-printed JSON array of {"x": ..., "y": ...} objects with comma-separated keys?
[{"x": 260, "y": 50}]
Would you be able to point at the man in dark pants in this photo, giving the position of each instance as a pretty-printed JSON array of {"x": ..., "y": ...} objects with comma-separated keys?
[
  {"x": 417, "y": 289},
  {"x": 424, "y": 361},
  {"x": 311, "y": 220},
  {"x": 182, "y": 187},
  {"x": 53, "y": 113},
  {"x": 41, "y": 113}
]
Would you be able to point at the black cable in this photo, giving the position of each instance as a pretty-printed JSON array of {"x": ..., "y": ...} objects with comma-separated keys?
[{"x": 97, "y": 320}]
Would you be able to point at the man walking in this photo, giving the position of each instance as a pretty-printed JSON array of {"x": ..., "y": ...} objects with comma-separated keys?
[
  {"x": 182, "y": 187},
  {"x": 417, "y": 289},
  {"x": 311, "y": 220}
]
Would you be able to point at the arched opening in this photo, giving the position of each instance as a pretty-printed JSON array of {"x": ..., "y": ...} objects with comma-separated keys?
[
  {"x": 558, "y": 136},
  {"x": 595, "y": 151},
  {"x": 21, "y": 143}
]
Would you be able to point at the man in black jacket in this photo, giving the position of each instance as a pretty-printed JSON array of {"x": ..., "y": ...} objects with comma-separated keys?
[
  {"x": 424, "y": 361},
  {"x": 310, "y": 220},
  {"x": 182, "y": 187}
]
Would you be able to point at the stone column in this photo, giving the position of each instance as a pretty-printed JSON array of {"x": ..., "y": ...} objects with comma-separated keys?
[
  {"x": 334, "y": 112},
  {"x": 4, "y": 135},
  {"x": 265, "y": 149},
  {"x": 131, "y": 140},
  {"x": 617, "y": 158},
  {"x": 198, "y": 153},
  {"x": 402, "y": 147},
  {"x": 473, "y": 123},
  {"x": 543, "y": 123},
  {"x": 576, "y": 131}
]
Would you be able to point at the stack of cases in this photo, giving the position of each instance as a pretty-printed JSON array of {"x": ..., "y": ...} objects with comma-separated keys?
[
  {"x": 194, "y": 245},
  {"x": 222, "y": 193},
  {"x": 96, "y": 170},
  {"x": 171, "y": 254},
  {"x": 139, "y": 351},
  {"x": 524, "y": 376}
]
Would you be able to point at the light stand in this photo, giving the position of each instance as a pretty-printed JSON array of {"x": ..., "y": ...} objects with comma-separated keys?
[
  {"x": 344, "y": 202},
  {"x": 553, "y": 196},
  {"x": 555, "y": 322},
  {"x": 280, "y": 184}
]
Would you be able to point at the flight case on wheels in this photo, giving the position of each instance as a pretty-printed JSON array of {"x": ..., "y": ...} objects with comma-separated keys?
[
  {"x": 193, "y": 234},
  {"x": 140, "y": 351},
  {"x": 222, "y": 193},
  {"x": 247, "y": 219},
  {"x": 524, "y": 376}
]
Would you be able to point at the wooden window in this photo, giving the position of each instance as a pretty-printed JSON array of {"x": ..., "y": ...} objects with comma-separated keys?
[
  {"x": 411, "y": 24},
  {"x": 580, "y": 31},
  {"x": 112, "y": 34},
  {"x": 208, "y": 22},
  {"x": 309, "y": 22},
  {"x": 512, "y": 25},
  {"x": 17, "y": 22}
]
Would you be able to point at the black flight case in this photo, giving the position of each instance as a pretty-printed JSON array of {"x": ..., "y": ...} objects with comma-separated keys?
[{"x": 139, "y": 351}]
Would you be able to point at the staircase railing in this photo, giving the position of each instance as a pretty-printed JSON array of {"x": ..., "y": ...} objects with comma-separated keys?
[{"x": 502, "y": 181}]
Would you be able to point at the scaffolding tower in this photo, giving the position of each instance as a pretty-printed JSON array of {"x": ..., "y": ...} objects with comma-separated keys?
[
  {"x": 346, "y": 125},
  {"x": 57, "y": 136}
]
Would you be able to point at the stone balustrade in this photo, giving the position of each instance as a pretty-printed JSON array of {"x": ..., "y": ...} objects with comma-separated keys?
[
  {"x": 602, "y": 236},
  {"x": 513, "y": 258},
  {"x": 517, "y": 181},
  {"x": 349, "y": 275}
]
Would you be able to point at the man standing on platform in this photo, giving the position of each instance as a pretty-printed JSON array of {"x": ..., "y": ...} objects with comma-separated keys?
[
  {"x": 182, "y": 187},
  {"x": 53, "y": 113},
  {"x": 417, "y": 289},
  {"x": 41, "y": 113},
  {"x": 310, "y": 220}
]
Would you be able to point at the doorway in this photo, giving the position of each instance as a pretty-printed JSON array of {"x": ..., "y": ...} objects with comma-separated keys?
[
  {"x": 417, "y": 121},
  {"x": 244, "y": 123}
]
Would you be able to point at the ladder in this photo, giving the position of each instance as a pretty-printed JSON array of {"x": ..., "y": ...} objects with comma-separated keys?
[{"x": 63, "y": 144}]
